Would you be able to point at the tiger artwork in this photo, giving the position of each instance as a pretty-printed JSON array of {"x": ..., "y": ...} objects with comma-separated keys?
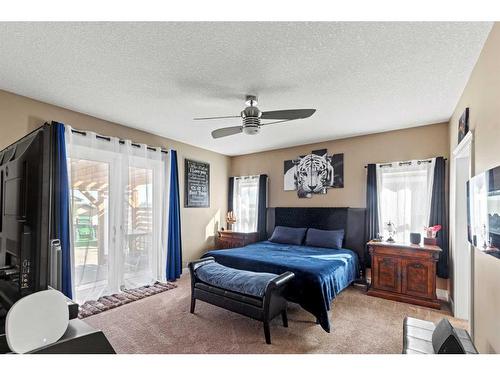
[{"x": 314, "y": 174}]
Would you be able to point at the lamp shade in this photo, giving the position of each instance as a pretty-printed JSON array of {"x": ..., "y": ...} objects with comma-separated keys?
[{"x": 390, "y": 227}]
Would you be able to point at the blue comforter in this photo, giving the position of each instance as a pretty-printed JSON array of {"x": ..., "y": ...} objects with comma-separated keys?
[{"x": 320, "y": 273}]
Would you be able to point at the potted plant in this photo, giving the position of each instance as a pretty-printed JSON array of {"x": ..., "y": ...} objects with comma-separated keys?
[{"x": 431, "y": 233}]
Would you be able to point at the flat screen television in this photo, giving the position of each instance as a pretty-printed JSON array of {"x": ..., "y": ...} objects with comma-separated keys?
[
  {"x": 483, "y": 211},
  {"x": 25, "y": 216}
]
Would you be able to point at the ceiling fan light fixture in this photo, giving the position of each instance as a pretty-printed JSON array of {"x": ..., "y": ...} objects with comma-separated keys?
[{"x": 251, "y": 129}]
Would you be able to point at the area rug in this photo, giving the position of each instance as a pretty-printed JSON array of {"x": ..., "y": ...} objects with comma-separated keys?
[{"x": 128, "y": 295}]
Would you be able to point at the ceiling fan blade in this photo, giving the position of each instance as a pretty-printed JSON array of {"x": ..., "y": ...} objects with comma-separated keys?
[
  {"x": 288, "y": 114},
  {"x": 215, "y": 118},
  {"x": 275, "y": 122},
  {"x": 224, "y": 132}
]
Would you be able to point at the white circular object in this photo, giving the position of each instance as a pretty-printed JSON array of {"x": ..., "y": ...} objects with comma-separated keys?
[
  {"x": 36, "y": 320},
  {"x": 251, "y": 130}
]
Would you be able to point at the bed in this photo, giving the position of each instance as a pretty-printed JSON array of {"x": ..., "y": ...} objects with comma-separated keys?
[{"x": 320, "y": 273}]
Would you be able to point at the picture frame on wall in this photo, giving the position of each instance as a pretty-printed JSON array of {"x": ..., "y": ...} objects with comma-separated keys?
[
  {"x": 196, "y": 184},
  {"x": 314, "y": 173},
  {"x": 463, "y": 125}
]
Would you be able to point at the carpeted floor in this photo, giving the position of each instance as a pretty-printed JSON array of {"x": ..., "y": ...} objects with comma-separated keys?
[{"x": 162, "y": 324}]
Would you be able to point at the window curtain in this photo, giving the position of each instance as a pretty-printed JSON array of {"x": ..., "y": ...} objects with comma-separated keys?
[
  {"x": 262, "y": 207},
  {"x": 404, "y": 192},
  {"x": 118, "y": 203},
  {"x": 372, "y": 225},
  {"x": 174, "y": 251},
  {"x": 438, "y": 215},
  {"x": 246, "y": 203},
  {"x": 61, "y": 208},
  {"x": 230, "y": 194}
]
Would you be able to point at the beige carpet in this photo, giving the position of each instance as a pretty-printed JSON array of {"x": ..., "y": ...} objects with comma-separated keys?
[{"x": 163, "y": 324}]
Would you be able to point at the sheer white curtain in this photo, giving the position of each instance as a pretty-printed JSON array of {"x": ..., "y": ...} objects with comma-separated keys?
[
  {"x": 246, "y": 203},
  {"x": 118, "y": 208},
  {"x": 404, "y": 196}
]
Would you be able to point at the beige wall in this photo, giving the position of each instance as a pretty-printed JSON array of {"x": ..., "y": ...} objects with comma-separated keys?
[
  {"x": 482, "y": 96},
  {"x": 19, "y": 115},
  {"x": 415, "y": 143}
]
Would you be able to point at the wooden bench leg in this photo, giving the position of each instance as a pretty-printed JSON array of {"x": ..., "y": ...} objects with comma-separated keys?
[
  {"x": 284, "y": 317},
  {"x": 267, "y": 332},
  {"x": 193, "y": 304}
]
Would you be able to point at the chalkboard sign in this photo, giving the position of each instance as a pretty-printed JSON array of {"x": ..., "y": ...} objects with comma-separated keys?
[{"x": 196, "y": 184}]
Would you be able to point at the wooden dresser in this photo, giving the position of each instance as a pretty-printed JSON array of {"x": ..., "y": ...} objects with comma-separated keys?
[
  {"x": 404, "y": 272},
  {"x": 227, "y": 239}
]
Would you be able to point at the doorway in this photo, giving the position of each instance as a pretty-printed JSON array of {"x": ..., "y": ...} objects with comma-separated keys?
[{"x": 462, "y": 254}]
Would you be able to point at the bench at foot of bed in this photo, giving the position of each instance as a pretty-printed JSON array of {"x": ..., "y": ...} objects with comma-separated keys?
[{"x": 253, "y": 294}]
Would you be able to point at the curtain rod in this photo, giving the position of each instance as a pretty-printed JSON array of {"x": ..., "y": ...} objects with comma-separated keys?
[
  {"x": 121, "y": 141},
  {"x": 406, "y": 162},
  {"x": 246, "y": 177}
]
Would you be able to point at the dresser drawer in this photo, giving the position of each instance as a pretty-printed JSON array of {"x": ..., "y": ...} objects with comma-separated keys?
[
  {"x": 230, "y": 239},
  {"x": 228, "y": 242}
]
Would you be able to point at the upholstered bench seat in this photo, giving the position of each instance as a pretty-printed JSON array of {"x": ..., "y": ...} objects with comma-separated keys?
[
  {"x": 240, "y": 281},
  {"x": 256, "y": 295}
]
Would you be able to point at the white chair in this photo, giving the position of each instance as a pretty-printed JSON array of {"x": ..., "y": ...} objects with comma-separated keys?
[{"x": 37, "y": 320}]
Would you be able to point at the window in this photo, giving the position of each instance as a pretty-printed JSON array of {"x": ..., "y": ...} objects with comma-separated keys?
[
  {"x": 404, "y": 196},
  {"x": 245, "y": 203},
  {"x": 118, "y": 208}
]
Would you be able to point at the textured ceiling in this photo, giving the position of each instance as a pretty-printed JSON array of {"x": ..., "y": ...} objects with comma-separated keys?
[{"x": 361, "y": 77}]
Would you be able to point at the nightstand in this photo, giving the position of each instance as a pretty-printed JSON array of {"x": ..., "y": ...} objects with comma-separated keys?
[
  {"x": 227, "y": 239},
  {"x": 404, "y": 272}
]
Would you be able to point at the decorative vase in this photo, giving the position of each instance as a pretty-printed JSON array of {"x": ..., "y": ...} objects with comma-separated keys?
[{"x": 415, "y": 238}]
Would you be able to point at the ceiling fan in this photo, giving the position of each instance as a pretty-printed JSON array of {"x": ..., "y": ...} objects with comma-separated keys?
[{"x": 252, "y": 117}]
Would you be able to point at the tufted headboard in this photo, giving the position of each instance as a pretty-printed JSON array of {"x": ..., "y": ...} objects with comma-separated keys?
[{"x": 352, "y": 220}]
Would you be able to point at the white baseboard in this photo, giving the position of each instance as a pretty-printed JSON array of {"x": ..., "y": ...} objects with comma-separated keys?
[{"x": 443, "y": 294}]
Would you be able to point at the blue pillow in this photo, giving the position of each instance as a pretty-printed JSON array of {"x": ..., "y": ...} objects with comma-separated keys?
[
  {"x": 325, "y": 238},
  {"x": 287, "y": 235}
]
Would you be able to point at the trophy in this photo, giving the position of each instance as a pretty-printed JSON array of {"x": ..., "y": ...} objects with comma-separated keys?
[{"x": 230, "y": 220}]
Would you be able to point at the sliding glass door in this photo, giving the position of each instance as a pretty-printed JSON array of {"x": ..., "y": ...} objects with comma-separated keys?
[
  {"x": 90, "y": 219},
  {"x": 118, "y": 209},
  {"x": 142, "y": 212}
]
